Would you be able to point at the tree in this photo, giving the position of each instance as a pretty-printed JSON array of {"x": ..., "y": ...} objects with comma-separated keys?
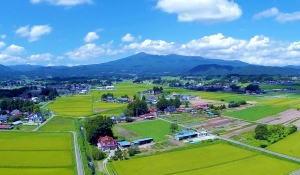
[
  {"x": 162, "y": 104},
  {"x": 174, "y": 127},
  {"x": 98, "y": 126},
  {"x": 261, "y": 132},
  {"x": 177, "y": 102},
  {"x": 136, "y": 108},
  {"x": 118, "y": 154},
  {"x": 234, "y": 87},
  {"x": 143, "y": 98},
  {"x": 97, "y": 154}
]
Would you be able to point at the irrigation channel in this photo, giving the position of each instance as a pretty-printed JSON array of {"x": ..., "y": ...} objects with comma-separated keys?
[{"x": 90, "y": 161}]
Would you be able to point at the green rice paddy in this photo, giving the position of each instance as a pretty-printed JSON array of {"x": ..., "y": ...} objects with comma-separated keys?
[
  {"x": 33, "y": 153},
  {"x": 288, "y": 146},
  {"x": 214, "y": 159}
]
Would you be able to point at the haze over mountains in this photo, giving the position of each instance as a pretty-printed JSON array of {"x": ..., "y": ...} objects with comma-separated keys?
[{"x": 147, "y": 64}]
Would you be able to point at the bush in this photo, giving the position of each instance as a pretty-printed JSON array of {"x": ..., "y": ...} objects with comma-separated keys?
[
  {"x": 97, "y": 154},
  {"x": 128, "y": 119},
  {"x": 133, "y": 150}
]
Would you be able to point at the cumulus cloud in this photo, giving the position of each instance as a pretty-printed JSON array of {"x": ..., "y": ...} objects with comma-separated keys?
[
  {"x": 256, "y": 50},
  {"x": 2, "y": 44},
  {"x": 205, "y": 11},
  {"x": 14, "y": 50},
  {"x": 86, "y": 52},
  {"x": 34, "y": 33},
  {"x": 90, "y": 37},
  {"x": 8, "y": 59},
  {"x": 3, "y": 36},
  {"x": 128, "y": 38},
  {"x": 279, "y": 16},
  {"x": 40, "y": 57},
  {"x": 63, "y": 2}
]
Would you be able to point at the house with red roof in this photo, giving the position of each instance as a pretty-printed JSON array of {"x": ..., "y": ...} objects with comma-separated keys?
[{"x": 107, "y": 143}]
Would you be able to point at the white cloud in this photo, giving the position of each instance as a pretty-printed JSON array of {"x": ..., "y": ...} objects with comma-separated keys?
[
  {"x": 86, "y": 52},
  {"x": 90, "y": 37},
  {"x": 284, "y": 17},
  {"x": 128, "y": 38},
  {"x": 267, "y": 13},
  {"x": 40, "y": 57},
  {"x": 2, "y": 44},
  {"x": 205, "y": 11},
  {"x": 257, "y": 50},
  {"x": 63, "y": 2},
  {"x": 8, "y": 59},
  {"x": 279, "y": 16},
  {"x": 35, "y": 1},
  {"x": 3, "y": 36},
  {"x": 14, "y": 50},
  {"x": 34, "y": 33}
]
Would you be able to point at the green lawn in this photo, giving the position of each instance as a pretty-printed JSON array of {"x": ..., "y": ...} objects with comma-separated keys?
[
  {"x": 33, "y": 153},
  {"x": 256, "y": 113},
  {"x": 214, "y": 159},
  {"x": 59, "y": 124},
  {"x": 289, "y": 145},
  {"x": 156, "y": 129}
]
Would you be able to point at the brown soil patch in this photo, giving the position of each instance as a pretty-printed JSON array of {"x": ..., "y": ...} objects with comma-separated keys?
[
  {"x": 205, "y": 101},
  {"x": 217, "y": 122},
  {"x": 240, "y": 131},
  {"x": 286, "y": 116}
]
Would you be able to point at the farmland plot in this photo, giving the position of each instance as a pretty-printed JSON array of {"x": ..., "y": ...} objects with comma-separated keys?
[{"x": 33, "y": 153}]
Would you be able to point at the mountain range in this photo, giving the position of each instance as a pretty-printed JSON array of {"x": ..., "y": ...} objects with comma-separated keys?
[{"x": 147, "y": 64}]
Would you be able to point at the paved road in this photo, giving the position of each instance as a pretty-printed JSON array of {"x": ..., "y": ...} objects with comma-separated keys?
[
  {"x": 261, "y": 149},
  {"x": 111, "y": 153},
  {"x": 297, "y": 172},
  {"x": 77, "y": 154}
]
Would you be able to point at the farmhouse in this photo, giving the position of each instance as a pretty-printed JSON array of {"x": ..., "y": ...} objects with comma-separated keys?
[
  {"x": 143, "y": 141},
  {"x": 15, "y": 112},
  {"x": 36, "y": 118},
  {"x": 6, "y": 127},
  {"x": 3, "y": 118},
  {"x": 185, "y": 134},
  {"x": 148, "y": 116},
  {"x": 107, "y": 143},
  {"x": 124, "y": 144},
  {"x": 107, "y": 88},
  {"x": 170, "y": 109}
]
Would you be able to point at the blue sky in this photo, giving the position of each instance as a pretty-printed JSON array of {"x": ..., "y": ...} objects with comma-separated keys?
[{"x": 76, "y": 32}]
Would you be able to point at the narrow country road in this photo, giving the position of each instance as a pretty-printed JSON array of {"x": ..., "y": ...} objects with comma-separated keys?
[
  {"x": 52, "y": 115},
  {"x": 260, "y": 149},
  {"x": 111, "y": 153},
  {"x": 77, "y": 154}
]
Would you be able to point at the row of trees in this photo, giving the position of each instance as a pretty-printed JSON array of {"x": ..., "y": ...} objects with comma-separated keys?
[
  {"x": 273, "y": 133},
  {"x": 104, "y": 96},
  {"x": 22, "y": 105},
  {"x": 163, "y": 103},
  {"x": 234, "y": 104},
  {"x": 51, "y": 93}
]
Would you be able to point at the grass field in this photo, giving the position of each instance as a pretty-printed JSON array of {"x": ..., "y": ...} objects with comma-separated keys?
[
  {"x": 282, "y": 102},
  {"x": 288, "y": 145},
  {"x": 33, "y": 153},
  {"x": 206, "y": 160},
  {"x": 156, "y": 129},
  {"x": 256, "y": 113},
  {"x": 59, "y": 124}
]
